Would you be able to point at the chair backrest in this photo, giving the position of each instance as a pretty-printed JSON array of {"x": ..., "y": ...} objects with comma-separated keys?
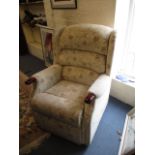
[{"x": 85, "y": 52}]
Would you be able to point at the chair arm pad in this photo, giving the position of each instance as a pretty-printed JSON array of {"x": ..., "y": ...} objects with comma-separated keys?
[
  {"x": 30, "y": 80},
  {"x": 45, "y": 79},
  {"x": 100, "y": 85},
  {"x": 90, "y": 98}
]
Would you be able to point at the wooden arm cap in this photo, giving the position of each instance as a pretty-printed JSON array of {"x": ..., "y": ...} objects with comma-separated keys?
[
  {"x": 90, "y": 98},
  {"x": 30, "y": 80}
]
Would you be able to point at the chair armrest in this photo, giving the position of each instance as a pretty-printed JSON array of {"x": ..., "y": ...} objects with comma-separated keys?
[
  {"x": 98, "y": 88},
  {"x": 100, "y": 85},
  {"x": 30, "y": 80},
  {"x": 45, "y": 79},
  {"x": 93, "y": 112},
  {"x": 90, "y": 98}
]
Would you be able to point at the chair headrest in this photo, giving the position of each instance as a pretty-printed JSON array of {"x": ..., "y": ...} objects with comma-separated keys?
[{"x": 89, "y": 37}]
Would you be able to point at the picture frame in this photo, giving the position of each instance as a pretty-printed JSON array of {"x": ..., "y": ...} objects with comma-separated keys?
[
  {"x": 47, "y": 44},
  {"x": 64, "y": 4}
]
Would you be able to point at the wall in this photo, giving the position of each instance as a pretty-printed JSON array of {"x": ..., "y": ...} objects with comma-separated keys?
[
  {"x": 88, "y": 11},
  {"x": 123, "y": 92}
]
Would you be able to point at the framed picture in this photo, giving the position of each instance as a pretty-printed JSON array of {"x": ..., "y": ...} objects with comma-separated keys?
[
  {"x": 64, "y": 4},
  {"x": 47, "y": 48}
]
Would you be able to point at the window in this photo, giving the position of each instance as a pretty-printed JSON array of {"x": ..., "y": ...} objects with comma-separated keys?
[{"x": 125, "y": 45}]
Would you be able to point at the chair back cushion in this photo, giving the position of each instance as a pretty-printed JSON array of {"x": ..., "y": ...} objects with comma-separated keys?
[
  {"x": 83, "y": 59},
  {"x": 78, "y": 74},
  {"x": 83, "y": 50}
]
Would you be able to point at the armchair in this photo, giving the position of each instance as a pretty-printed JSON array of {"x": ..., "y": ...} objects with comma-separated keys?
[{"x": 82, "y": 66}]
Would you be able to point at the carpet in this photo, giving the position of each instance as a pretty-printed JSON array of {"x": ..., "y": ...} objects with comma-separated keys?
[
  {"x": 30, "y": 135},
  {"x": 29, "y": 64}
]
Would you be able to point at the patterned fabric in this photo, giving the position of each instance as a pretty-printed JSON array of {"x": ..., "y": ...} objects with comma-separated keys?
[
  {"x": 84, "y": 59},
  {"x": 93, "y": 112},
  {"x": 89, "y": 37},
  {"x": 82, "y": 54},
  {"x": 60, "y": 128},
  {"x": 79, "y": 75},
  {"x": 101, "y": 84},
  {"x": 92, "y": 116},
  {"x": 110, "y": 53},
  {"x": 69, "y": 90},
  {"x": 47, "y": 78},
  {"x": 64, "y": 102}
]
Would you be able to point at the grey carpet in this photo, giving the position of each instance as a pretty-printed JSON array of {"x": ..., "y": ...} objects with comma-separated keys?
[
  {"x": 29, "y": 64},
  {"x": 106, "y": 140}
]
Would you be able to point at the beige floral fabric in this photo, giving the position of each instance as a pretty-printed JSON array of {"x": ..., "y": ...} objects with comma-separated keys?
[
  {"x": 79, "y": 75},
  {"x": 89, "y": 37},
  {"x": 60, "y": 128},
  {"x": 84, "y": 59},
  {"x": 110, "y": 53},
  {"x": 93, "y": 113},
  {"x": 100, "y": 85},
  {"x": 64, "y": 102},
  {"x": 47, "y": 78},
  {"x": 92, "y": 116},
  {"x": 69, "y": 90}
]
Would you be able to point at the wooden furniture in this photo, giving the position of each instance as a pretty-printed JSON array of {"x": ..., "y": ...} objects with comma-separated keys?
[
  {"x": 127, "y": 145},
  {"x": 32, "y": 34}
]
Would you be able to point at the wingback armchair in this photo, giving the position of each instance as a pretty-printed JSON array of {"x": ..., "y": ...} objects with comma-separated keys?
[{"x": 82, "y": 65}]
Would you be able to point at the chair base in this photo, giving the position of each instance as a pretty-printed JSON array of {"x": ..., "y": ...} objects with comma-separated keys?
[{"x": 61, "y": 129}]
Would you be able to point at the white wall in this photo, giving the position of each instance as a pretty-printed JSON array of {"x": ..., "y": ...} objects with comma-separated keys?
[{"x": 123, "y": 92}]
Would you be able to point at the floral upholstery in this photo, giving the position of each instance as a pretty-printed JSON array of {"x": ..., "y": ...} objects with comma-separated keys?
[
  {"x": 80, "y": 75},
  {"x": 93, "y": 113},
  {"x": 110, "y": 53},
  {"x": 69, "y": 90},
  {"x": 86, "y": 37},
  {"x": 47, "y": 78},
  {"x": 82, "y": 62},
  {"x": 60, "y": 128},
  {"x": 84, "y": 59},
  {"x": 64, "y": 102}
]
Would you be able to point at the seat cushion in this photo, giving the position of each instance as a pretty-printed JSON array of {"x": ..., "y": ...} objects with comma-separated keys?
[{"x": 64, "y": 102}]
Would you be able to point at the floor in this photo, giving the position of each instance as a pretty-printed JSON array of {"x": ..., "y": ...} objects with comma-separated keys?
[
  {"x": 107, "y": 137},
  {"x": 29, "y": 64}
]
